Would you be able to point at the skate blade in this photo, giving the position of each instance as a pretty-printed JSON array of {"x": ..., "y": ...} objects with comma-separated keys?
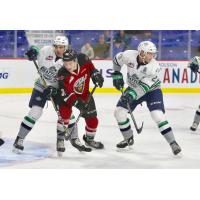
[
  {"x": 82, "y": 151},
  {"x": 17, "y": 151},
  {"x": 179, "y": 155},
  {"x": 93, "y": 148},
  {"x": 124, "y": 150},
  {"x": 194, "y": 132}
]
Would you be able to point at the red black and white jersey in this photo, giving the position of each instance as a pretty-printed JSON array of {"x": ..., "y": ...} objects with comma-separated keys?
[{"x": 76, "y": 84}]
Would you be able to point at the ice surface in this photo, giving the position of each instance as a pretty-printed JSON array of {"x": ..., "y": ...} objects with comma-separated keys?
[{"x": 150, "y": 149}]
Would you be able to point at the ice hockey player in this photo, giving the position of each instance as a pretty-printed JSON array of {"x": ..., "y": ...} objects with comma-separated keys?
[
  {"x": 194, "y": 66},
  {"x": 50, "y": 61},
  {"x": 74, "y": 80},
  {"x": 143, "y": 85}
]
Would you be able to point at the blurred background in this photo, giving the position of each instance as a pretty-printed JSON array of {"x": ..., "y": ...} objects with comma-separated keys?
[{"x": 104, "y": 44}]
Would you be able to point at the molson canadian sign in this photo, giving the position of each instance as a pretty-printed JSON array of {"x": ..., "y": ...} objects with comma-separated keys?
[
  {"x": 18, "y": 76},
  {"x": 177, "y": 76}
]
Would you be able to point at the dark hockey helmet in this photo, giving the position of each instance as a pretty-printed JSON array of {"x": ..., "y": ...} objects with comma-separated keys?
[{"x": 69, "y": 55}]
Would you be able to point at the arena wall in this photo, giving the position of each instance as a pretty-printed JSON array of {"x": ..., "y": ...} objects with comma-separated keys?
[{"x": 18, "y": 76}]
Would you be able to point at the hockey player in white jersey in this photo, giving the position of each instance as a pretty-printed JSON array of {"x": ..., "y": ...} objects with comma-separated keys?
[
  {"x": 49, "y": 61},
  {"x": 194, "y": 66},
  {"x": 143, "y": 86}
]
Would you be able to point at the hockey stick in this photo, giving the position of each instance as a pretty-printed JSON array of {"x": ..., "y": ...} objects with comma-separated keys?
[
  {"x": 80, "y": 114},
  {"x": 54, "y": 105},
  {"x": 139, "y": 130}
]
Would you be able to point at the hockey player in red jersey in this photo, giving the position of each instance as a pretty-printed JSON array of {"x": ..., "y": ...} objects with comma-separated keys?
[{"x": 74, "y": 79}]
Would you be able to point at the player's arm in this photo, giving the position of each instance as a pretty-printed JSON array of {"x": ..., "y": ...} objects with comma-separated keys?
[
  {"x": 118, "y": 61},
  {"x": 66, "y": 98},
  {"x": 95, "y": 75}
]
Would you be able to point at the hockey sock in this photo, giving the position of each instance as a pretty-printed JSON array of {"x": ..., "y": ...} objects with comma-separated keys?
[
  {"x": 125, "y": 128},
  {"x": 75, "y": 129},
  {"x": 26, "y": 126},
  {"x": 197, "y": 117},
  {"x": 61, "y": 130},
  {"x": 91, "y": 127},
  {"x": 166, "y": 131},
  {"x": 29, "y": 121}
]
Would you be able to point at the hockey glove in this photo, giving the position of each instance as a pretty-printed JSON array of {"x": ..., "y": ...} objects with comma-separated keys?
[
  {"x": 118, "y": 81},
  {"x": 50, "y": 92},
  {"x": 129, "y": 96},
  {"x": 32, "y": 53},
  {"x": 194, "y": 64},
  {"x": 97, "y": 78}
]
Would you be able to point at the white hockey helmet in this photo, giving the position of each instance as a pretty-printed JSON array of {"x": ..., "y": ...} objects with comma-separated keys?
[
  {"x": 61, "y": 41},
  {"x": 147, "y": 47}
]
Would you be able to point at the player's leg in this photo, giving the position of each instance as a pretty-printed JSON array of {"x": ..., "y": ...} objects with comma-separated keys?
[
  {"x": 155, "y": 104},
  {"x": 37, "y": 103},
  {"x": 90, "y": 132},
  {"x": 74, "y": 139},
  {"x": 91, "y": 121},
  {"x": 69, "y": 120},
  {"x": 121, "y": 116},
  {"x": 196, "y": 121},
  {"x": 65, "y": 113}
]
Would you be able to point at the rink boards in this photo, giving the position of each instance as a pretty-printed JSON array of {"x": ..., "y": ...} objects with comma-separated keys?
[{"x": 18, "y": 76}]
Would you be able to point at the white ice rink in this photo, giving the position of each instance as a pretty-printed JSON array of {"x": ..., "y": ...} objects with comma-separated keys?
[{"x": 150, "y": 149}]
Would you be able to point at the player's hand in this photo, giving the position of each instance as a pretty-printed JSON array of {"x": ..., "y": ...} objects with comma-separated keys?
[
  {"x": 118, "y": 81},
  {"x": 32, "y": 53},
  {"x": 129, "y": 96},
  {"x": 97, "y": 78},
  {"x": 50, "y": 91},
  {"x": 194, "y": 64}
]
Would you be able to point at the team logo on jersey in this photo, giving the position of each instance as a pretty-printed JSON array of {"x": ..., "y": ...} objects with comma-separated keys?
[
  {"x": 133, "y": 79},
  {"x": 79, "y": 85},
  {"x": 49, "y": 73},
  {"x": 49, "y": 58}
]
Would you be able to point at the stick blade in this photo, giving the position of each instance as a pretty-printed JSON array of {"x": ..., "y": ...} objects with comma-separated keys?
[{"x": 140, "y": 129}]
